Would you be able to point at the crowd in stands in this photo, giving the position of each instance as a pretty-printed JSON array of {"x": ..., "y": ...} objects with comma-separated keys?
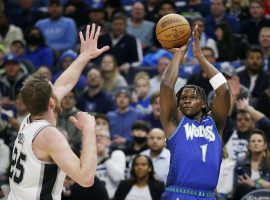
[{"x": 121, "y": 87}]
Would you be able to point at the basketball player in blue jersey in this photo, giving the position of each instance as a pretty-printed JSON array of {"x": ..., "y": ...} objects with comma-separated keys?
[{"x": 192, "y": 131}]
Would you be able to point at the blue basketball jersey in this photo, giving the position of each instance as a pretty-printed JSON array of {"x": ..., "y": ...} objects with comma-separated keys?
[{"x": 196, "y": 154}]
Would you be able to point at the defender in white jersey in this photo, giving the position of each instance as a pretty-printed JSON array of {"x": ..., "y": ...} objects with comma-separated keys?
[{"x": 41, "y": 155}]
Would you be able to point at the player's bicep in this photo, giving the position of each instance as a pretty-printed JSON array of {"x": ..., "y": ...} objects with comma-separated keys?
[
  {"x": 64, "y": 157},
  {"x": 168, "y": 108},
  {"x": 221, "y": 106}
]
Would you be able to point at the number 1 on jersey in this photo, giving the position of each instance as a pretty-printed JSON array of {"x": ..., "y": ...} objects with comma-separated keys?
[{"x": 204, "y": 150}]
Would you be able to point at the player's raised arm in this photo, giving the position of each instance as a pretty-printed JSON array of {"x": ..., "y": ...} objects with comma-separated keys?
[
  {"x": 83, "y": 169},
  {"x": 221, "y": 102},
  {"x": 168, "y": 104},
  {"x": 88, "y": 51}
]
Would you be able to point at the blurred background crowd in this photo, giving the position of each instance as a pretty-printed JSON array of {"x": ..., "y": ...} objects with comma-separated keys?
[{"x": 121, "y": 87}]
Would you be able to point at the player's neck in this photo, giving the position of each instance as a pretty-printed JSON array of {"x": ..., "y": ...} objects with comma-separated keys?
[{"x": 48, "y": 116}]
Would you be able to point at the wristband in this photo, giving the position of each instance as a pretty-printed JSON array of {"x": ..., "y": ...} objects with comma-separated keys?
[{"x": 217, "y": 80}]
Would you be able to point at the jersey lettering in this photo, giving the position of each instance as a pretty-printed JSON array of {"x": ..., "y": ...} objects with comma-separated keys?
[{"x": 193, "y": 131}]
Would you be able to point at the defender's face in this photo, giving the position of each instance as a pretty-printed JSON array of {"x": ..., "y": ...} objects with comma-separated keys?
[{"x": 190, "y": 102}]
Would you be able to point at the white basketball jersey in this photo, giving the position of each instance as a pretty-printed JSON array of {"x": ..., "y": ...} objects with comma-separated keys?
[{"x": 30, "y": 178}]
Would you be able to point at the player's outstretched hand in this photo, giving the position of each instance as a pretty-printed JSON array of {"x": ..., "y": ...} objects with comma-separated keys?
[
  {"x": 89, "y": 48},
  {"x": 84, "y": 121},
  {"x": 196, "y": 42}
]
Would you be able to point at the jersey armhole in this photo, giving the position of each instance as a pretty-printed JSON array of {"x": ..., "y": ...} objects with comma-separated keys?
[
  {"x": 219, "y": 135},
  {"x": 173, "y": 134},
  {"x": 31, "y": 148}
]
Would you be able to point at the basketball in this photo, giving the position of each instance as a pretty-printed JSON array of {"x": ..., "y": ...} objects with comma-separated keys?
[{"x": 173, "y": 31}]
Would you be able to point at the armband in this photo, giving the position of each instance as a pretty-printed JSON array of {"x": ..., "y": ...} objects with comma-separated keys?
[{"x": 217, "y": 80}]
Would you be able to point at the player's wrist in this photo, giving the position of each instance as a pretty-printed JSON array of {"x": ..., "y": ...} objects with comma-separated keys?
[{"x": 217, "y": 80}]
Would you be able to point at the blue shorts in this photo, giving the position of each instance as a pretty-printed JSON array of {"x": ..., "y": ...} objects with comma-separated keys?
[{"x": 182, "y": 193}]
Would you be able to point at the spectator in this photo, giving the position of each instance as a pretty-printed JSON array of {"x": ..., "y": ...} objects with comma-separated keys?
[
  {"x": 69, "y": 109},
  {"x": 142, "y": 184},
  {"x": 56, "y": 27},
  {"x": 218, "y": 14},
  {"x": 140, "y": 98},
  {"x": 102, "y": 122},
  {"x": 193, "y": 8},
  {"x": 77, "y": 10},
  {"x": 120, "y": 132},
  {"x": 139, "y": 133},
  {"x": 139, "y": 27},
  {"x": 153, "y": 118},
  {"x": 26, "y": 14},
  {"x": 98, "y": 15},
  {"x": 12, "y": 78},
  {"x": 18, "y": 48},
  {"x": 65, "y": 61},
  {"x": 264, "y": 41},
  {"x": 239, "y": 9},
  {"x": 46, "y": 72},
  {"x": 37, "y": 51},
  {"x": 253, "y": 172},
  {"x": 225, "y": 181},
  {"x": 9, "y": 32},
  {"x": 253, "y": 75},
  {"x": 263, "y": 100},
  {"x": 225, "y": 42},
  {"x": 159, "y": 155},
  {"x": 126, "y": 49},
  {"x": 252, "y": 26},
  {"x": 111, "y": 165},
  {"x": 110, "y": 74},
  {"x": 205, "y": 41},
  {"x": 163, "y": 63},
  {"x": 94, "y": 99}
]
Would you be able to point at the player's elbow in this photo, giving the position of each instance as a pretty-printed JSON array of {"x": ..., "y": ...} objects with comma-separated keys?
[{"x": 87, "y": 181}]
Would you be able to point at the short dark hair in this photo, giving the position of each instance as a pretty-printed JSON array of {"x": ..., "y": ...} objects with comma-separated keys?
[
  {"x": 119, "y": 16},
  {"x": 141, "y": 125},
  {"x": 200, "y": 91},
  {"x": 101, "y": 116},
  {"x": 36, "y": 92},
  {"x": 154, "y": 96},
  {"x": 254, "y": 49}
]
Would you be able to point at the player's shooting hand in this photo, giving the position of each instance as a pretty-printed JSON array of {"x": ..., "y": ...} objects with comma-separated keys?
[
  {"x": 196, "y": 42},
  {"x": 89, "y": 48},
  {"x": 246, "y": 180},
  {"x": 83, "y": 121}
]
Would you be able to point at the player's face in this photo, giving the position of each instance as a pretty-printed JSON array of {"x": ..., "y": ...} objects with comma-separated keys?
[
  {"x": 141, "y": 167},
  {"x": 156, "y": 140},
  {"x": 244, "y": 122},
  {"x": 190, "y": 102},
  {"x": 257, "y": 143}
]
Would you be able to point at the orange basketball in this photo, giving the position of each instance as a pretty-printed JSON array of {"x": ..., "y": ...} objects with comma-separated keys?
[{"x": 173, "y": 31}]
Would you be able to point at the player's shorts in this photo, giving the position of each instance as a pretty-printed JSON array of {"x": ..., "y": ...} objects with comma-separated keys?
[{"x": 183, "y": 193}]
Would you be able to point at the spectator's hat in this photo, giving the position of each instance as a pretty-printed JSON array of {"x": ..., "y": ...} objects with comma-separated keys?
[
  {"x": 228, "y": 71},
  {"x": 10, "y": 58},
  {"x": 69, "y": 53},
  {"x": 55, "y": 2},
  {"x": 123, "y": 90},
  {"x": 97, "y": 6}
]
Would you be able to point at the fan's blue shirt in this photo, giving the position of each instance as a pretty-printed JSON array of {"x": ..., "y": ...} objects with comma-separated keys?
[{"x": 196, "y": 154}]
